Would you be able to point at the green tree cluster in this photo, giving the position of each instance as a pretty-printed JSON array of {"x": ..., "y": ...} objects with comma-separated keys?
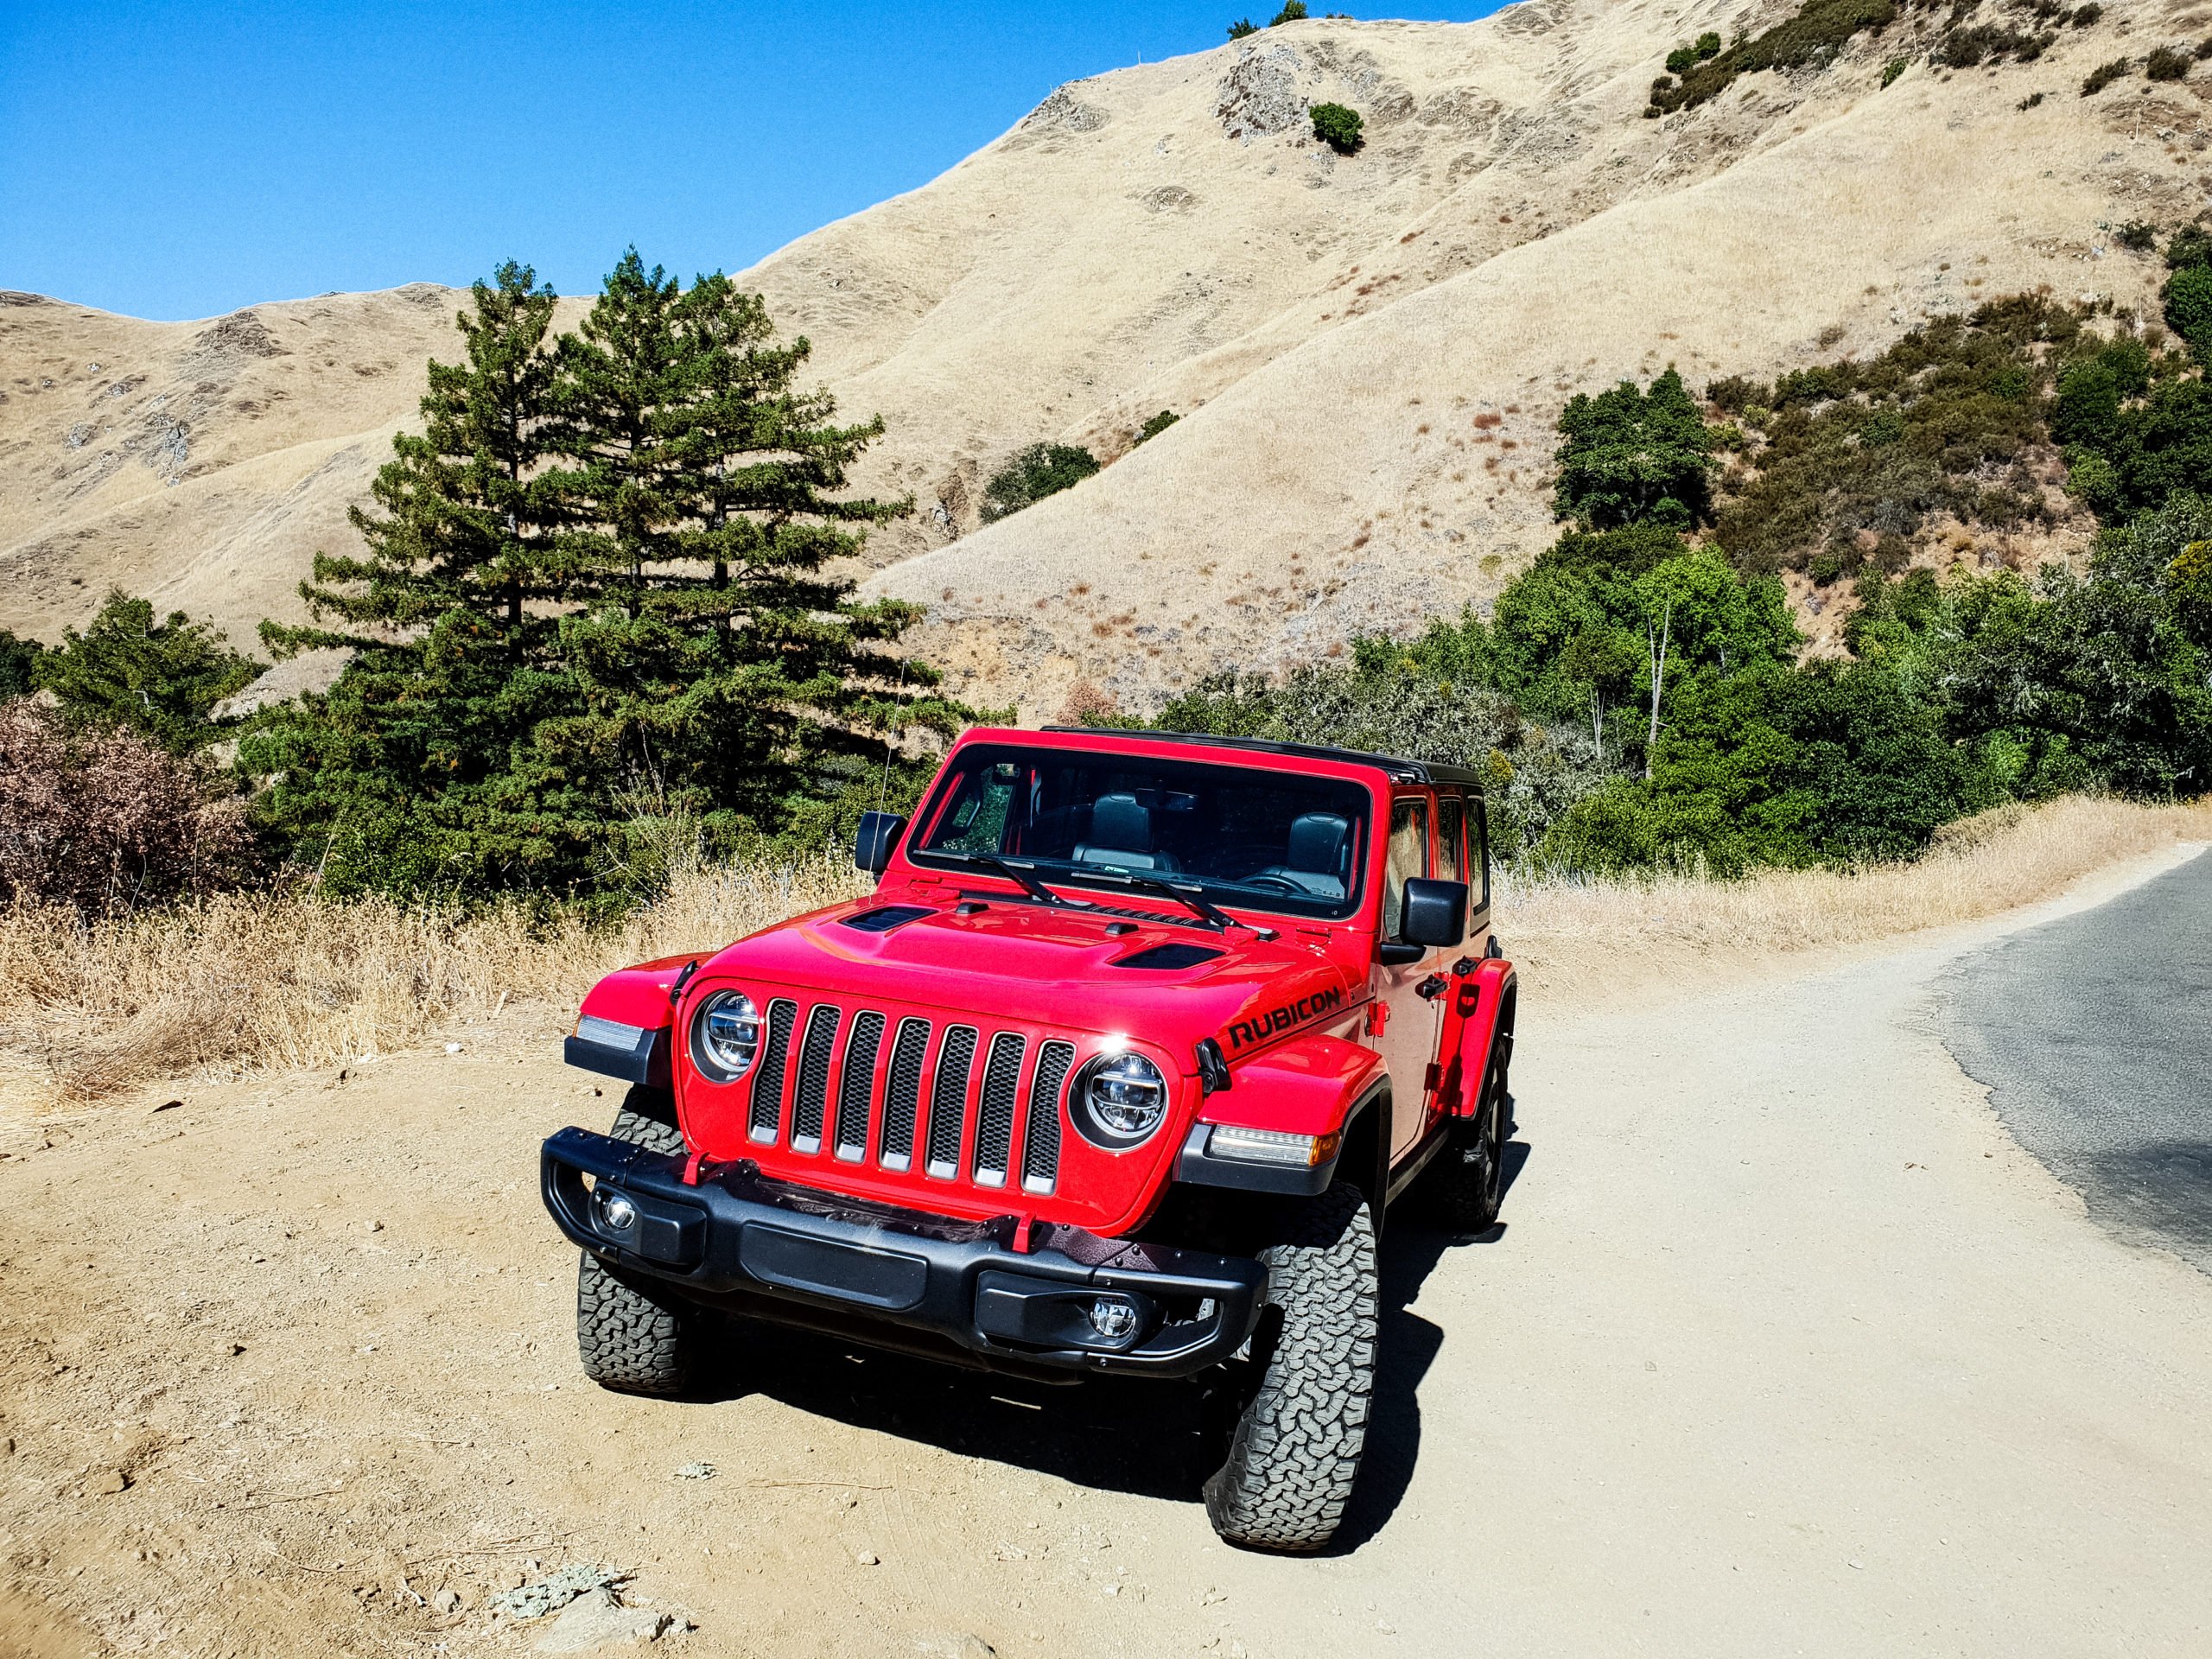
[
  {"x": 594, "y": 597},
  {"x": 163, "y": 679},
  {"x": 1337, "y": 125},
  {"x": 1034, "y": 473},
  {"x": 1636, "y": 457}
]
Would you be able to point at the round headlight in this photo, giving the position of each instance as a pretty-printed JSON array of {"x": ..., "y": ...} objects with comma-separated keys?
[
  {"x": 1119, "y": 1100},
  {"x": 726, "y": 1036}
]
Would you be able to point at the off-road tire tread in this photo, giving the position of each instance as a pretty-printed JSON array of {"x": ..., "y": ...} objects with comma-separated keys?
[
  {"x": 631, "y": 1336},
  {"x": 1295, "y": 1453}
]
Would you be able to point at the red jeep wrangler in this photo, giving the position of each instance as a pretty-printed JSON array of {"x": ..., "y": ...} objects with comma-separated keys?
[{"x": 1117, "y": 1070}]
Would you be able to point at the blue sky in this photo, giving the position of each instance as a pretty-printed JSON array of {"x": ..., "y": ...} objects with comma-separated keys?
[{"x": 179, "y": 160}]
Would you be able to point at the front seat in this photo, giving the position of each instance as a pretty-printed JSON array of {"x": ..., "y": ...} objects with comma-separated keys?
[
  {"x": 1314, "y": 857},
  {"x": 1120, "y": 837}
]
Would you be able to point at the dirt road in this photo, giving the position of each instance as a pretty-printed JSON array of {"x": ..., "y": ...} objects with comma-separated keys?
[{"x": 1784, "y": 1347}]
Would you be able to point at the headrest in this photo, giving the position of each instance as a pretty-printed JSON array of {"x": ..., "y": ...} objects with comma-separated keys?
[
  {"x": 1118, "y": 821},
  {"x": 1317, "y": 844}
]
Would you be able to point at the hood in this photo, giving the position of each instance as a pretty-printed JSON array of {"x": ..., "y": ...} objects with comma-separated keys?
[{"x": 1171, "y": 983}]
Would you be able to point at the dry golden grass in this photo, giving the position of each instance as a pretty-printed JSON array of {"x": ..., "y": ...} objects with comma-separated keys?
[
  {"x": 268, "y": 981},
  {"x": 1571, "y": 937},
  {"x": 263, "y": 982}
]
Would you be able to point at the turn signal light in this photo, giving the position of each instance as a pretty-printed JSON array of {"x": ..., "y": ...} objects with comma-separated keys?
[{"x": 1272, "y": 1146}]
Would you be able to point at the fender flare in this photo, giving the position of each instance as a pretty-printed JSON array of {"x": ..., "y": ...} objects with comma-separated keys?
[
  {"x": 1313, "y": 1085},
  {"x": 1484, "y": 1005}
]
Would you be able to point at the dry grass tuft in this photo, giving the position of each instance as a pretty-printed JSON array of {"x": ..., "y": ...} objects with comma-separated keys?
[
  {"x": 265, "y": 981},
  {"x": 1571, "y": 937}
]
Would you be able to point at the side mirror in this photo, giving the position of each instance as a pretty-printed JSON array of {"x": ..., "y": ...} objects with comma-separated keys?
[
  {"x": 879, "y": 833},
  {"x": 1435, "y": 915}
]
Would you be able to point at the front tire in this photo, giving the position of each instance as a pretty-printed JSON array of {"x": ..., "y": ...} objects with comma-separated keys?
[
  {"x": 1294, "y": 1453},
  {"x": 632, "y": 1336}
]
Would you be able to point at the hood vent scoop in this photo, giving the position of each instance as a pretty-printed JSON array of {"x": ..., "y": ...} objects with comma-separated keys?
[
  {"x": 885, "y": 917},
  {"x": 1166, "y": 955}
]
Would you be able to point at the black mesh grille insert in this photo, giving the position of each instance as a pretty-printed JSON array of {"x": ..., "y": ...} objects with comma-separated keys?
[
  {"x": 813, "y": 1096},
  {"x": 767, "y": 1114},
  {"x": 902, "y": 1094},
  {"x": 949, "y": 1099},
  {"x": 1167, "y": 956},
  {"x": 994, "y": 1110},
  {"x": 1040, "y": 1141},
  {"x": 856, "y": 1087},
  {"x": 887, "y": 917}
]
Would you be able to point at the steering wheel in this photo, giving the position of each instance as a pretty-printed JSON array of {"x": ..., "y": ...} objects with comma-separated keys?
[{"x": 1279, "y": 883}]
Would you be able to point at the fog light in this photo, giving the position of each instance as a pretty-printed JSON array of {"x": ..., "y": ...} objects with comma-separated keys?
[
  {"x": 616, "y": 1213},
  {"x": 1113, "y": 1319}
]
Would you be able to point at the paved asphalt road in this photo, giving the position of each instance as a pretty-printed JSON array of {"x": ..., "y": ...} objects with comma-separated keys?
[{"x": 2093, "y": 1034}]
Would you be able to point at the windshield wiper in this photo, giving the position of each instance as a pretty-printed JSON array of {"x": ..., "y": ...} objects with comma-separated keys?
[
  {"x": 1021, "y": 878},
  {"x": 1193, "y": 901}
]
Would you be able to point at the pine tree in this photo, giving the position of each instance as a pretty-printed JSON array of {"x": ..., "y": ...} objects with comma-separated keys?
[{"x": 599, "y": 580}]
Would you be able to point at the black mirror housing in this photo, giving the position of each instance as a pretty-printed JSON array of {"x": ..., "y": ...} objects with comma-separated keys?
[
  {"x": 878, "y": 834},
  {"x": 1435, "y": 914}
]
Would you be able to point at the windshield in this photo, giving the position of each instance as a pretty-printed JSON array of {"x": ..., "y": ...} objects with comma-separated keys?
[{"x": 1264, "y": 840}]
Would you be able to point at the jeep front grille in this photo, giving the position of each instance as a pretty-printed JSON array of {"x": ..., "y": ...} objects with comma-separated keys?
[
  {"x": 926, "y": 1099},
  {"x": 994, "y": 1110},
  {"x": 813, "y": 1099},
  {"x": 949, "y": 1100},
  {"x": 767, "y": 1115}
]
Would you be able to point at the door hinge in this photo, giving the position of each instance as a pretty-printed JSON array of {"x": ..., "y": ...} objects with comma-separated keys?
[
  {"x": 1378, "y": 1016},
  {"x": 1432, "y": 1078}
]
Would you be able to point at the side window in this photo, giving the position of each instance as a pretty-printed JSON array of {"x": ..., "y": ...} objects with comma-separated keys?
[
  {"x": 977, "y": 820},
  {"x": 1406, "y": 858},
  {"x": 1480, "y": 904},
  {"x": 1451, "y": 838}
]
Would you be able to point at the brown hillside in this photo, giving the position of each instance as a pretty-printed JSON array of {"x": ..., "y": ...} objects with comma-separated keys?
[{"x": 1171, "y": 236}]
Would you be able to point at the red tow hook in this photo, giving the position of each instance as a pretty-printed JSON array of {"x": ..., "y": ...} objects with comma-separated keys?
[
  {"x": 691, "y": 1168},
  {"x": 1021, "y": 1234}
]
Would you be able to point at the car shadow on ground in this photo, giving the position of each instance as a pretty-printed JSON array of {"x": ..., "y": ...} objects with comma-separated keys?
[{"x": 1151, "y": 1439}]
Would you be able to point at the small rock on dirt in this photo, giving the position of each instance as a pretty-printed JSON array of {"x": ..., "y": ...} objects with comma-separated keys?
[
  {"x": 446, "y": 1600},
  {"x": 597, "y": 1620},
  {"x": 868, "y": 1558},
  {"x": 696, "y": 1472},
  {"x": 108, "y": 1482}
]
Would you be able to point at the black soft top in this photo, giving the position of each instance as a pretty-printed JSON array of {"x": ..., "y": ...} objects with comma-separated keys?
[{"x": 1402, "y": 771}]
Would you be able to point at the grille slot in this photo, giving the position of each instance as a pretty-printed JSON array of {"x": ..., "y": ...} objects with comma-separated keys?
[
  {"x": 902, "y": 1095},
  {"x": 1040, "y": 1141},
  {"x": 949, "y": 1100},
  {"x": 813, "y": 1099},
  {"x": 994, "y": 1110},
  {"x": 767, "y": 1115},
  {"x": 856, "y": 1088}
]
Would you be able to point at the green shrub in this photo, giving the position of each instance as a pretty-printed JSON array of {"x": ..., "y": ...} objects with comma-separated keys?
[
  {"x": 1680, "y": 59},
  {"x": 2189, "y": 245},
  {"x": 1708, "y": 46},
  {"x": 1293, "y": 11},
  {"x": 2029, "y": 101},
  {"x": 16, "y": 658},
  {"x": 2166, "y": 64},
  {"x": 1630, "y": 456},
  {"x": 1158, "y": 424},
  {"x": 1817, "y": 31},
  {"x": 163, "y": 679},
  {"x": 1242, "y": 26},
  {"x": 2086, "y": 15},
  {"x": 2187, "y": 296},
  {"x": 1336, "y": 126},
  {"x": 2104, "y": 75},
  {"x": 1033, "y": 474},
  {"x": 1893, "y": 68},
  {"x": 2136, "y": 236}
]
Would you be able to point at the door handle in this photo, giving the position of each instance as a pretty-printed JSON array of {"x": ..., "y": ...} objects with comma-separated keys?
[{"x": 1432, "y": 988}]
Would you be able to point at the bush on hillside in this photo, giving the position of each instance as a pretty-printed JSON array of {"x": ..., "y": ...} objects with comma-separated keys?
[
  {"x": 1633, "y": 456},
  {"x": 1293, "y": 11},
  {"x": 107, "y": 819},
  {"x": 1158, "y": 424},
  {"x": 2104, "y": 75},
  {"x": 1336, "y": 126},
  {"x": 2166, "y": 64},
  {"x": 17, "y": 657},
  {"x": 1812, "y": 36},
  {"x": 163, "y": 679},
  {"x": 1242, "y": 26},
  {"x": 1040, "y": 470}
]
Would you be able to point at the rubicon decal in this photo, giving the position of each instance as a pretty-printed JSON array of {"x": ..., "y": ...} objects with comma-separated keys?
[{"x": 1243, "y": 1033}]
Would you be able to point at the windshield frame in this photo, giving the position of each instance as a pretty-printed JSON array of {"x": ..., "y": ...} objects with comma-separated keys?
[{"x": 1023, "y": 749}]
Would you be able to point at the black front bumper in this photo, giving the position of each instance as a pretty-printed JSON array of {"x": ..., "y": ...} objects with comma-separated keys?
[{"x": 813, "y": 1258}]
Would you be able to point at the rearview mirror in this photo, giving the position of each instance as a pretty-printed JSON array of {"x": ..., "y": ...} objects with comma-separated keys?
[
  {"x": 1435, "y": 914},
  {"x": 878, "y": 834}
]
